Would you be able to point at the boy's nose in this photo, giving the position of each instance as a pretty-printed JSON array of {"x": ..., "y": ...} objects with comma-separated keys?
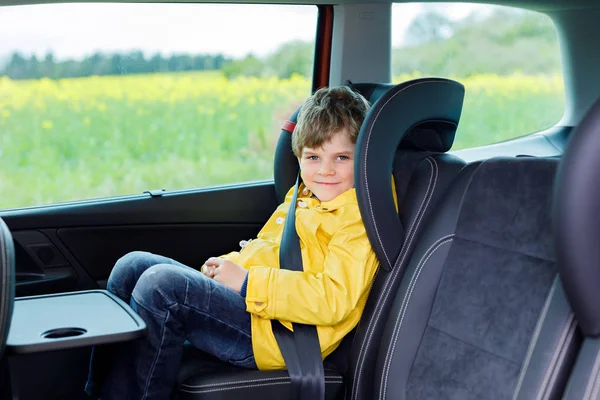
[{"x": 326, "y": 169}]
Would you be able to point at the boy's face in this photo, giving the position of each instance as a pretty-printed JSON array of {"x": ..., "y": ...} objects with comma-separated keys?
[{"x": 328, "y": 171}]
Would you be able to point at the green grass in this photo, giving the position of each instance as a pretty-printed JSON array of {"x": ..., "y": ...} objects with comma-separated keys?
[{"x": 96, "y": 137}]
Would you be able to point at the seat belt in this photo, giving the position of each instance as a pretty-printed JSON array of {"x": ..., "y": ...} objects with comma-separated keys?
[{"x": 300, "y": 349}]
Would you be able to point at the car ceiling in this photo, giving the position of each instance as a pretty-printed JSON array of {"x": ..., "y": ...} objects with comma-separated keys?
[{"x": 538, "y": 5}]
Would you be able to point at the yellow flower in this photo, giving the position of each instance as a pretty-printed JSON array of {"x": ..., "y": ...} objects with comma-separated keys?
[
  {"x": 47, "y": 125},
  {"x": 5, "y": 113}
]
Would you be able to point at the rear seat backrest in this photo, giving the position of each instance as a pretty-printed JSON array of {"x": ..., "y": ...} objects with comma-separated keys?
[{"x": 476, "y": 285}]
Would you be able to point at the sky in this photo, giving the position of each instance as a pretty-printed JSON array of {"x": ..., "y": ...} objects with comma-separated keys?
[{"x": 76, "y": 30}]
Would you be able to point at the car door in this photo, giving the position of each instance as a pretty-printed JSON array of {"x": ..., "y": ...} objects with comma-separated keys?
[
  {"x": 70, "y": 247},
  {"x": 131, "y": 150}
]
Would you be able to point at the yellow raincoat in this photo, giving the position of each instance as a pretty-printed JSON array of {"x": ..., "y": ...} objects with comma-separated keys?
[{"x": 339, "y": 266}]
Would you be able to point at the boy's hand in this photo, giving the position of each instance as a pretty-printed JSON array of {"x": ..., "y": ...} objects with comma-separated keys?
[{"x": 226, "y": 272}]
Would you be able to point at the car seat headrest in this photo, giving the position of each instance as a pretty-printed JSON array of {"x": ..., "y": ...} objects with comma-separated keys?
[
  {"x": 577, "y": 222},
  {"x": 285, "y": 162},
  {"x": 429, "y": 136},
  {"x": 430, "y": 105}
]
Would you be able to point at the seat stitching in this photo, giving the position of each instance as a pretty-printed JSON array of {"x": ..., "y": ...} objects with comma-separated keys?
[
  {"x": 246, "y": 386},
  {"x": 279, "y": 378},
  {"x": 371, "y": 327},
  {"x": 534, "y": 339},
  {"x": 563, "y": 354},
  {"x": 592, "y": 378},
  {"x": 360, "y": 320},
  {"x": 556, "y": 355},
  {"x": 475, "y": 346},
  {"x": 398, "y": 324},
  {"x": 506, "y": 249},
  {"x": 411, "y": 233},
  {"x": 367, "y": 151},
  {"x": 236, "y": 382},
  {"x": 434, "y": 171}
]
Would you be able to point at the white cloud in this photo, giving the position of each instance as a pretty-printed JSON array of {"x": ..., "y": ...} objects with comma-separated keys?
[
  {"x": 78, "y": 29},
  {"x": 73, "y": 30}
]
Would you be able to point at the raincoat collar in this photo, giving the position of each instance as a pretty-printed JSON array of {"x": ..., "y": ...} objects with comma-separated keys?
[{"x": 305, "y": 195}]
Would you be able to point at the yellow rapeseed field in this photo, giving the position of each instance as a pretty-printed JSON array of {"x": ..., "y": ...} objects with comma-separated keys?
[{"x": 85, "y": 138}]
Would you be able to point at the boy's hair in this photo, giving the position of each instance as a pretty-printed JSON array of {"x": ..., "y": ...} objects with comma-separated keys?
[{"x": 325, "y": 113}]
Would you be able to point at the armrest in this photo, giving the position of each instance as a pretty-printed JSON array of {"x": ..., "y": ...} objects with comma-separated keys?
[{"x": 69, "y": 320}]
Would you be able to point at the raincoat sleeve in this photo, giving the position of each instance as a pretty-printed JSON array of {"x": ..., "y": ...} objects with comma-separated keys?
[{"x": 324, "y": 298}]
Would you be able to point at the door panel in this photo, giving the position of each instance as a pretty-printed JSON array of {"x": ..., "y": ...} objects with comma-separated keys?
[
  {"x": 41, "y": 267},
  {"x": 97, "y": 248},
  {"x": 70, "y": 247},
  {"x": 241, "y": 204}
]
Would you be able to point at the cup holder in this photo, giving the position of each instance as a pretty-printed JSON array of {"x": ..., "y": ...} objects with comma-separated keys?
[{"x": 63, "y": 333}]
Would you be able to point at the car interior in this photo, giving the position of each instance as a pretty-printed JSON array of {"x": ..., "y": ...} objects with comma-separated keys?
[{"x": 488, "y": 276}]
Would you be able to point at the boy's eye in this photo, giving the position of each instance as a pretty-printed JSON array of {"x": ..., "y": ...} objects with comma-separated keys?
[
  {"x": 313, "y": 158},
  {"x": 343, "y": 158}
]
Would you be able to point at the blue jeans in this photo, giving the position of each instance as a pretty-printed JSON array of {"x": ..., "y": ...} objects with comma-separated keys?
[{"x": 177, "y": 303}]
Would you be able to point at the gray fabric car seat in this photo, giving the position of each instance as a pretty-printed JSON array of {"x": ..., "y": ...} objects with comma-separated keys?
[
  {"x": 480, "y": 313},
  {"x": 422, "y": 171}
]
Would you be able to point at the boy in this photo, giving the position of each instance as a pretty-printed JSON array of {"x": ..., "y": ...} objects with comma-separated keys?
[{"x": 226, "y": 309}]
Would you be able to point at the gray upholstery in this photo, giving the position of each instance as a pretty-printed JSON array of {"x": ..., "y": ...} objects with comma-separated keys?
[
  {"x": 466, "y": 311},
  {"x": 7, "y": 283}
]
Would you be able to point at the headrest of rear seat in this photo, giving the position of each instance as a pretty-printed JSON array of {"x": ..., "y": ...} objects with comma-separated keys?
[
  {"x": 577, "y": 222},
  {"x": 431, "y": 105}
]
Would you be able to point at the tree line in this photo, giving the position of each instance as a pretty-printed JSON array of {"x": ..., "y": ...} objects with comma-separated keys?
[
  {"x": 501, "y": 42},
  {"x": 134, "y": 62}
]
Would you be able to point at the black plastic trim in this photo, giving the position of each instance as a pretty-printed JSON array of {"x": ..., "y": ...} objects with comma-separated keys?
[{"x": 81, "y": 340}]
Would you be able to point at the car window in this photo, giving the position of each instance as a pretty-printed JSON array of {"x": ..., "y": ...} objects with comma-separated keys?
[
  {"x": 508, "y": 60},
  {"x": 102, "y": 100}
]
